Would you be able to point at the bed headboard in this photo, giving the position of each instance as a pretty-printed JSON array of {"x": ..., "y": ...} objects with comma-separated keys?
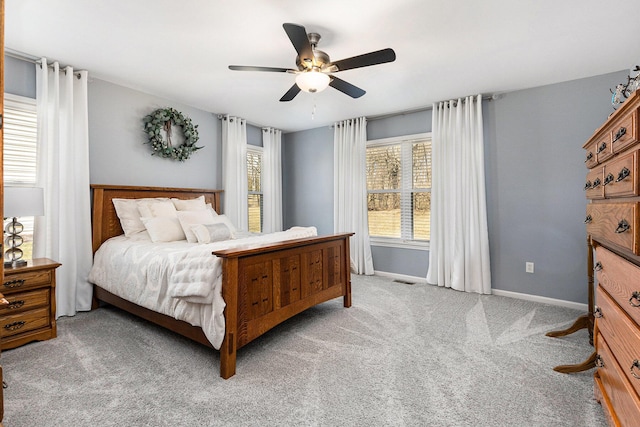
[{"x": 105, "y": 222}]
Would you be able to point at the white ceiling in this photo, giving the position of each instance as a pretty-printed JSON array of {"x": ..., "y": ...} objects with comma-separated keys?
[{"x": 445, "y": 49}]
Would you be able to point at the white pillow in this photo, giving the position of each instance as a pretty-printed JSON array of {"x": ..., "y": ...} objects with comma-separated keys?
[
  {"x": 210, "y": 209},
  {"x": 196, "y": 204},
  {"x": 155, "y": 208},
  {"x": 163, "y": 229},
  {"x": 127, "y": 211},
  {"x": 190, "y": 218},
  {"x": 209, "y": 233},
  {"x": 223, "y": 219}
]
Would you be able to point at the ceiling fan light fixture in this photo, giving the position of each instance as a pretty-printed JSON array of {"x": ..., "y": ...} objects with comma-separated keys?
[{"x": 312, "y": 81}]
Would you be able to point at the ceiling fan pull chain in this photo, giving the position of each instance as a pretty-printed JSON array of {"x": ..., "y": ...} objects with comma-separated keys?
[{"x": 313, "y": 112}]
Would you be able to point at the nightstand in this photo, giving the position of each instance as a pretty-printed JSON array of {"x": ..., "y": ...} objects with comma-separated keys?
[{"x": 31, "y": 312}]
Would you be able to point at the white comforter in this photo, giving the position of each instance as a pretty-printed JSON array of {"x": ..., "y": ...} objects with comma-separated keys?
[{"x": 179, "y": 279}]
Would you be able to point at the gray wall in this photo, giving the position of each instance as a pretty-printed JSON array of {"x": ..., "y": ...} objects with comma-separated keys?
[
  {"x": 307, "y": 179},
  {"x": 118, "y": 153},
  {"x": 534, "y": 176},
  {"x": 19, "y": 77}
]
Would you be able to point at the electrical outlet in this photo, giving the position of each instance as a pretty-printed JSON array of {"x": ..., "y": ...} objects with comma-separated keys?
[{"x": 528, "y": 267}]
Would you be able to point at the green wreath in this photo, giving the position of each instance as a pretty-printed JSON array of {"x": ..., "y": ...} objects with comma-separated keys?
[{"x": 163, "y": 119}]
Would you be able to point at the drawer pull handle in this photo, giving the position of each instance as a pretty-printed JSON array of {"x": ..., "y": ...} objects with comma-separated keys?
[
  {"x": 587, "y": 185},
  {"x": 597, "y": 313},
  {"x": 635, "y": 296},
  {"x": 15, "y": 304},
  {"x": 14, "y": 283},
  {"x": 596, "y": 183},
  {"x": 15, "y": 325},
  {"x": 601, "y": 148},
  {"x": 621, "y": 132},
  {"x": 609, "y": 179},
  {"x": 623, "y": 226},
  {"x": 623, "y": 174},
  {"x": 588, "y": 219},
  {"x": 598, "y": 266},
  {"x": 599, "y": 361},
  {"x": 635, "y": 366},
  {"x": 589, "y": 157}
]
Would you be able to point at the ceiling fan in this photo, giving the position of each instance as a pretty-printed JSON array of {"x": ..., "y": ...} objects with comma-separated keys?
[{"x": 315, "y": 66}]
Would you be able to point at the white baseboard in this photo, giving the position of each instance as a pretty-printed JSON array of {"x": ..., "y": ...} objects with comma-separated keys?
[{"x": 498, "y": 292}]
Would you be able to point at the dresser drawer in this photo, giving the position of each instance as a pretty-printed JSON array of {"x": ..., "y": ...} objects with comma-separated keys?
[
  {"x": 619, "y": 393},
  {"x": 616, "y": 223},
  {"x": 621, "y": 176},
  {"x": 593, "y": 186},
  {"x": 621, "y": 279},
  {"x": 24, "y": 322},
  {"x": 591, "y": 159},
  {"x": 24, "y": 301},
  {"x": 26, "y": 280},
  {"x": 624, "y": 132},
  {"x": 622, "y": 336}
]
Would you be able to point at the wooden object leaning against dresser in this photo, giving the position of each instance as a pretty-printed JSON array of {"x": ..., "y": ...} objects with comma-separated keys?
[
  {"x": 613, "y": 226},
  {"x": 31, "y": 312}
]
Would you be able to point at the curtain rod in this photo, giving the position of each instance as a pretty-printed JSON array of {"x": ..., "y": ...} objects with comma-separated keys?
[
  {"x": 421, "y": 109},
  {"x": 33, "y": 59}
]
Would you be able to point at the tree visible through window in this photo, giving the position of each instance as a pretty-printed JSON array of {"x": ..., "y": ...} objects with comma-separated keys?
[
  {"x": 399, "y": 189},
  {"x": 254, "y": 180},
  {"x": 20, "y": 153}
]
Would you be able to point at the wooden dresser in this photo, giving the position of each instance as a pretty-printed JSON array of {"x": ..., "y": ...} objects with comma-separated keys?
[
  {"x": 31, "y": 312},
  {"x": 613, "y": 227}
]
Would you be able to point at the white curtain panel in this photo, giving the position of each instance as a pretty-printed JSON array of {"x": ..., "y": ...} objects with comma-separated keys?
[
  {"x": 350, "y": 190},
  {"x": 459, "y": 248},
  {"x": 272, "y": 180},
  {"x": 234, "y": 171},
  {"x": 64, "y": 232}
]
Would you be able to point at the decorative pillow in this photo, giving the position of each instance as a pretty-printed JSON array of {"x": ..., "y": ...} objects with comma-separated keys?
[
  {"x": 223, "y": 219},
  {"x": 154, "y": 208},
  {"x": 209, "y": 233},
  {"x": 196, "y": 204},
  {"x": 127, "y": 211},
  {"x": 190, "y": 218},
  {"x": 163, "y": 229}
]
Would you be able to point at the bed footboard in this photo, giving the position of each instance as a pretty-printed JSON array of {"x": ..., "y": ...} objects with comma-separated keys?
[{"x": 264, "y": 285}]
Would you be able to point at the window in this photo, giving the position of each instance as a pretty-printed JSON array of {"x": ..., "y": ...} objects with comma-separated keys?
[
  {"x": 20, "y": 151},
  {"x": 254, "y": 181},
  {"x": 399, "y": 190}
]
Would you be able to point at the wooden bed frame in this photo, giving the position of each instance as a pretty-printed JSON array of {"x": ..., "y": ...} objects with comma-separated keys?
[{"x": 262, "y": 285}]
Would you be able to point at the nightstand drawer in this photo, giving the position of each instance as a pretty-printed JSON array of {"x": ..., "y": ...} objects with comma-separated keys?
[
  {"x": 24, "y": 301},
  {"x": 24, "y": 322},
  {"x": 27, "y": 280}
]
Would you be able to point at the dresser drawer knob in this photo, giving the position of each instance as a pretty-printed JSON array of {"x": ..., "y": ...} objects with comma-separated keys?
[
  {"x": 635, "y": 299},
  {"x": 597, "y": 312},
  {"x": 588, "y": 219},
  {"x": 609, "y": 179},
  {"x": 599, "y": 361},
  {"x": 621, "y": 132},
  {"x": 15, "y": 304},
  {"x": 589, "y": 157},
  {"x": 601, "y": 148},
  {"x": 596, "y": 183},
  {"x": 587, "y": 185},
  {"x": 623, "y": 226},
  {"x": 623, "y": 174},
  {"x": 598, "y": 266},
  {"x": 635, "y": 366},
  {"x": 15, "y": 325},
  {"x": 14, "y": 283}
]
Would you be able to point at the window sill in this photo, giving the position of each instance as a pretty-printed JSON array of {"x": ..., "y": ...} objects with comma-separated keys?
[{"x": 400, "y": 243}]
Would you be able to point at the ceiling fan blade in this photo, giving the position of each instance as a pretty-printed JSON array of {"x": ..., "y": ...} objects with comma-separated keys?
[
  {"x": 365, "y": 60},
  {"x": 291, "y": 93},
  {"x": 252, "y": 68},
  {"x": 346, "y": 88},
  {"x": 298, "y": 36}
]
